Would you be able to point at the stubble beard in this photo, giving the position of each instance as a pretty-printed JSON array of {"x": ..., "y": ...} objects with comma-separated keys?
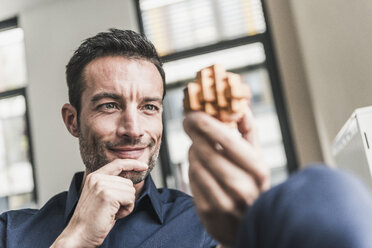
[{"x": 94, "y": 157}]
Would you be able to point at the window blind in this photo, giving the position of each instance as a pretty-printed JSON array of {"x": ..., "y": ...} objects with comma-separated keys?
[{"x": 179, "y": 25}]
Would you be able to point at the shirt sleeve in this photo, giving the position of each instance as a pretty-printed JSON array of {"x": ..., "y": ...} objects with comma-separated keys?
[{"x": 3, "y": 230}]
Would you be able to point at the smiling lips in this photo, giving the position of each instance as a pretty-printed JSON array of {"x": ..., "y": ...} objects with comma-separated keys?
[{"x": 128, "y": 152}]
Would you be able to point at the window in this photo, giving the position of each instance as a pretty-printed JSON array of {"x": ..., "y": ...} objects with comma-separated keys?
[
  {"x": 176, "y": 25},
  {"x": 193, "y": 34},
  {"x": 17, "y": 188}
]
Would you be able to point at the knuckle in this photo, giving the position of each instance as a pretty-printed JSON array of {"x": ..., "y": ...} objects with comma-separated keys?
[
  {"x": 226, "y": 205},
  {"x": 203, "y": 207},
  {"x": 98, "y": 186},
  {"x": 104, "y": 195},
  {"x": 130, "y": 209},
  {"x": 246, "y": 192},
  {"x": 132, "y": 197},
  {"x": 249, "y": 198},
  {"x": 128, "y": 182},
  {"x": 132, "y": 191},
  {"x": 263, "y": 175},
  {"x": 226, "y": 139},
  {"x": 92, "y": 179}
]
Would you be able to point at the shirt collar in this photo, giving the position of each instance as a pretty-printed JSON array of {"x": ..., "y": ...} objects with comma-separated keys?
[
  {"x": 149, "y": 191},
  {"x": 73, "y": 195}
]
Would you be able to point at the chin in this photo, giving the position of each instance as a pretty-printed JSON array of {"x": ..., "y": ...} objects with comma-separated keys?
[{"x": 135, "y": 176}]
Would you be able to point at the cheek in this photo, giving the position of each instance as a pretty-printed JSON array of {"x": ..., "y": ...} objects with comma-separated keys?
[
  {"x": 99, "y": 128},
  {"x": 155, "y": 129}
]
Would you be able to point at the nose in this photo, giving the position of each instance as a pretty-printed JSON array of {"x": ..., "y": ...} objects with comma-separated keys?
[{"x": 130, "y": 124}]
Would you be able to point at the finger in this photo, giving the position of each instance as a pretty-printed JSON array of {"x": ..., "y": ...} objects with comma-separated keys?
[
  {"x": 200, "y": 125},
  {"x": 207, "y": 193},
  {"x": 124, "y": 211},
  {"x": 102, "y": 181},
  {"x": 241, "y": 185},
  {"x": 118, "y": 165},
  {"x": 110, "y": 191},
  {"x": 126, "y": 200},
  {"x": 247, "y": 127},
  {"x": 117, "y": 190}
]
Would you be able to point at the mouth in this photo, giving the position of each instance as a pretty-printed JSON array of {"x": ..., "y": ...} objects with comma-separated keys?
[{"x": 128, "y": 152}]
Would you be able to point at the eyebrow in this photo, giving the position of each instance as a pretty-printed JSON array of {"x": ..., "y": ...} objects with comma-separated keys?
[
  {"x": 103, "y": 95},
  {"x": 117, "y": 97},
  {"x": 153, "y": 99}
]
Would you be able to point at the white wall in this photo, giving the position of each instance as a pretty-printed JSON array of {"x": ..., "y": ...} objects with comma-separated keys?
[
  {"x": 11, "y": 8},
  {"x": 335, "y": 38},
  {"x": 324, "y": 52},
  {"x": 294, "y": 82},
  {"x": 323, "y": 49},
  {"x": 53, "y": 30}
]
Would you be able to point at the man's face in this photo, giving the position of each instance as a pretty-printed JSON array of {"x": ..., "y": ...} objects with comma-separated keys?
[{"x": 121, "y": 109}]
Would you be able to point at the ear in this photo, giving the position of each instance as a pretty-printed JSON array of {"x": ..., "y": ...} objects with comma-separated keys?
[{"x": 69, "y": 116}]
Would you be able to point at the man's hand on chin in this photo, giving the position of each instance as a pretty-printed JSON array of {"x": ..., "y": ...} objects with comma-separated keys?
[{"x": 105, "y": 198}]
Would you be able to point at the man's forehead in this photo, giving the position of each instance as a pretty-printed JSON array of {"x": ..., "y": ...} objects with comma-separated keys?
[
  {"x": 107, "y": 65},
  {"x": 112, "y": 62},
  {"x": 139, "y": 84}
]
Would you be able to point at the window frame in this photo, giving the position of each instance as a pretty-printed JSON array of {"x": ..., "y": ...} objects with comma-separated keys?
[
  {"x": 275, "y": 82},
  {"x": 21, "y": 91}
]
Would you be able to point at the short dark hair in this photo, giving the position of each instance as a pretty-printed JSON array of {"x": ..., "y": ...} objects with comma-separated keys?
[{"x": 126, "y": 43}]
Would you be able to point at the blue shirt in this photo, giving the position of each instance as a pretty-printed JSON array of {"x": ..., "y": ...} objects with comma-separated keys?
[{"x": 161, "y": 218}]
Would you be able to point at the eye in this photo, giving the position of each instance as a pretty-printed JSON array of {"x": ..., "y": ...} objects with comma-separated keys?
[
  {"x": 108, "y": 106},
  {"x": 151, "y": 108}
]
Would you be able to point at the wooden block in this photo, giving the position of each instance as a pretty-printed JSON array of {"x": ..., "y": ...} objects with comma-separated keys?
[
  {"x": 210, "y": 109},
  {"x": 192, "y": 97},
  {"x": 205, "y": 78},
  {"x": 224, "y": 115},
  {"x": 221, "y": 85},
  {"x": 186, "y": 101},
  {"x": 234, "y": 89},
  {"x": 219, "y": 93}
]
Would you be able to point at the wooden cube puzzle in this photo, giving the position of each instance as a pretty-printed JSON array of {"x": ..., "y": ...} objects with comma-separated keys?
[{"x": 221, "y": 94}]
